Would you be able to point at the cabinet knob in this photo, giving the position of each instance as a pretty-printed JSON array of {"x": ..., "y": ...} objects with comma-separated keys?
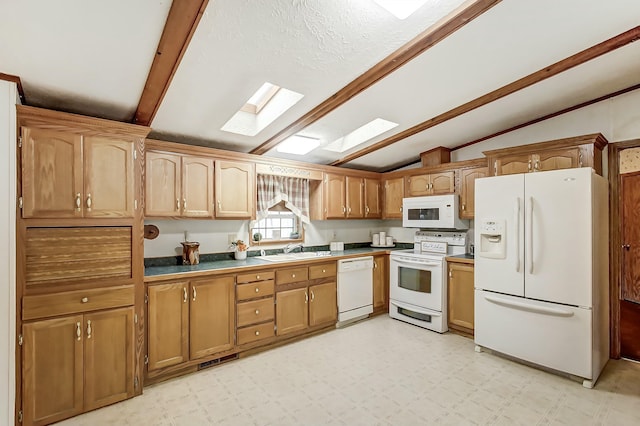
[
  {"x": 184, "y": 203},
  {"x": 323, "y": 271},
  {"x": 89, "y": 202},
  {"x": 89, "y": 329},
  {"x": 78, "y": 331},
  {"x": 463, "y": 207},
  {"x": 257, "y": 311},
  {"x": 78, "y": 202},
  {"x": 178, "y": 204},
  {"x": 257, "y": 333},
  {"x": 257, "y": 290},
  {"x": 293, "y": 275},
  {"x": 257, "y": 277},
  {"x": 84, "y": 300}
]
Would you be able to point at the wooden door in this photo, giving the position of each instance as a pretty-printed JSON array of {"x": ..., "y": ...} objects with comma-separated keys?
[
  {"x": 235, "y": 184},
  {"x": 355, "y": 197},
  {"x": 468, "y": 192},
  {"x": 442, "y": 183},
  {"x": 418, "y": 185},
  {"x": 460, "y": 289},
  {"x": 292, "y": 310},
  {"x": 52, "y": 370},
  {"x": 51, "y": 174},
  {"x": 334, "y": 196},
  {"x": 512, "y": 164},
  {"x": 109, "y": 357},
  {"x": 108, "y": 177},
  {"x": 323, "y": 304},
  {"x": 211, "y": 316},
  {"x": 168, "y": 324},
  {"x": 197, "y": 187},
  {"x": 372, "y": 202},
  {"x": 556, "y": 159},
  {"x": 380, "y": 283},
  {"x": 630, "y": 303},
  {"x": 163, "y": 184},
  {"x": 393, "y": 195}
]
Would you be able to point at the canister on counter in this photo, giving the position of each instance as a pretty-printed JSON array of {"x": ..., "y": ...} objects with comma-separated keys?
[{"x": 375, "y": 239}]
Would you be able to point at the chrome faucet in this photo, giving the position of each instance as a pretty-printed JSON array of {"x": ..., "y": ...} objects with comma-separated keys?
[{"x": 291, "y": 247}]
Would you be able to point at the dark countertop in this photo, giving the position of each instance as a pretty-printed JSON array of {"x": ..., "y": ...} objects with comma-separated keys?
[
  {"x": 158, "y": 273},
  {"x": 461, "y": 258}
]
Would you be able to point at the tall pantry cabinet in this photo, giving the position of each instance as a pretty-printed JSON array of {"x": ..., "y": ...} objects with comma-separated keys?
[{"x": 79, "y": 278}]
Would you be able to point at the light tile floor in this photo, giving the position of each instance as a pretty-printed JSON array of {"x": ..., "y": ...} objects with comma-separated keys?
[{"x": 380, "y": 372}]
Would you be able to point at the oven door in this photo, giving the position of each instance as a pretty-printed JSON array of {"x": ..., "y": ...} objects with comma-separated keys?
[{"x": 418, "y": 282}]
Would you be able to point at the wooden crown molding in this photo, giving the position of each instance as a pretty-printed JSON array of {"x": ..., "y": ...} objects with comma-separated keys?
[
  {"x": 182, "y": 22},
  {"x": 572, "y": 61},
  {"x": 406, "y": 53},
  {"x": 14, "y": 79}
]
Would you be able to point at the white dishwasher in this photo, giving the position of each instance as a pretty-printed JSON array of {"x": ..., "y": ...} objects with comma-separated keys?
[{"x": 355, "y": 289}]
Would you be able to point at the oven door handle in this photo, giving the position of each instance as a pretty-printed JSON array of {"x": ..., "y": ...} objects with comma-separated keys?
[
  {"x": 416, "y": 263},
  {"x": 415, "y": 309}
]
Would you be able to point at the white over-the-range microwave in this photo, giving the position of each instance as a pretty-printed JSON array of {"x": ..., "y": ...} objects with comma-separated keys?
[{"x": 432, "y": 211}]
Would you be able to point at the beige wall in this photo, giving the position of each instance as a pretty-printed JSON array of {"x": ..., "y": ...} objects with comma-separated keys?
[{"x": 630, "y": 160}]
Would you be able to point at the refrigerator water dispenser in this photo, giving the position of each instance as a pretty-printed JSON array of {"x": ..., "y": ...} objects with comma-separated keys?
[{"x": 492, "y": 239}]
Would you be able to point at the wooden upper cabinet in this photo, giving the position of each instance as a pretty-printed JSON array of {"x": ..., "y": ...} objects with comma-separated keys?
[
  {"x": 335, "y": 196},
  {"x": 355, "y": 197},
  {"x": 418, "y": 185},
  {"x": 197, "y": 187},
  {"x": 557, "y": 159},
  {"x": 168, "y": 324},
  {"x": 512, "y": 164},
  {"x": 235, "y": 185},
  {"x": 467, "y": 193},
  {"x": 372, "y": 201},
  {"x": 393, "y": 195},
  {"x": 163, "y": 184},
  {"x": 431, "y": 184},
  {"x": 52, "y": 182}
]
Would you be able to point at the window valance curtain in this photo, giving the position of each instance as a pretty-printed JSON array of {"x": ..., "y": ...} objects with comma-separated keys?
[{"x": 293, "y": 191}]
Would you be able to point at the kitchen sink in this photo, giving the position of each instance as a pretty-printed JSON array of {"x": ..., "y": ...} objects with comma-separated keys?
[{"x": 288, "y": 257}]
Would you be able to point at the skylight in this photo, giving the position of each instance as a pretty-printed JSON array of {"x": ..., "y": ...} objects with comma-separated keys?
[
  {"x": 401, "y": 9},
  {"x": 267, "y": 104},
  {"x": 298, "y": 144},
  {"x": 361, "y": 135}
]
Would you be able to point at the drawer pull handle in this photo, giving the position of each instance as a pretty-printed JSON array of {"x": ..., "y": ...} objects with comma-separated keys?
[
  {"x": 257, "y": 311},
  {"x": 85, "y": 300},
  {"x": 89, "y": 329},
  {"x": 257, "y": 333},
  {"x": 257, "y": 290},
  {"x": 78, "y": 331}
]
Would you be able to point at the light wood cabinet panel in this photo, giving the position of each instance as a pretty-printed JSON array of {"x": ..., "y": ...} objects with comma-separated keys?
[
  {"x": 393, "y": 195},
  {"x": 355, "y": 197},
  {"x": 334, "y": 196},
  {"x": 292, "y": 311},
  {"x": 513, "y": 164},
  {"x": 255, "y": 311},
  {"x": 468, "y": 192},
  {"x": 235, "y": 190},
  {"x": 418, "y": 185},
  {"x": 442, "y": 183},
  {"x": 52, "y": 370},
  {"x": 197, "y": 187},
  {"x": 163, "y": 184},
  {"x": 52, "y": 178},
  {"x": 256, "y": 289},
  {"x": 292, "y": 275},
  {"x": 109, "y": 357},
  {"x": 372, "y": 202},
  {"x": 323, "y": 306},
  {"x": 460, "y": 288},
  {"x": 256, "y": 332},
  {"x": 557, "y": 159},
  {"x": 108, "y": 177},
  {"x": 380, "y": 283},
  {"x": 212, "y": 316},
  {"x": 168, "y": 324},
  {"x": 324, "y": 270}
]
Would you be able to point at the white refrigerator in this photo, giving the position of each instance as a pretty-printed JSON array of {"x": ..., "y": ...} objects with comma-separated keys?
[{"x": 541, "y": 269}]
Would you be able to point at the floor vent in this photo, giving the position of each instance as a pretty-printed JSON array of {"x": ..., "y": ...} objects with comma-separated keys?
[{"x": 217, "y": 361}]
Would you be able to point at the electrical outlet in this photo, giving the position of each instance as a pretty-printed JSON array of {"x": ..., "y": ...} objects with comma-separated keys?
[
  {"x": 231, "y": 238},
  {"x": 334, "y": 235}
]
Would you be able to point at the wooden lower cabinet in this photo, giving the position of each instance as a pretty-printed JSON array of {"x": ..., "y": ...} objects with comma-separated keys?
[
  {"x": 460, "y": 289},
  {"x": 323, "y": 304},
  {"x": 76, "y": 363},
  {"x": 168, "y": 324},
  {"x": 292, "y": 310},
  {"x": 380, "y": 284}
]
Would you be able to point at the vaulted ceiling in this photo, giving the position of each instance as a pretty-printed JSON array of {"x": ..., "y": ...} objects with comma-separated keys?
[{"x": 453, "y": 72}]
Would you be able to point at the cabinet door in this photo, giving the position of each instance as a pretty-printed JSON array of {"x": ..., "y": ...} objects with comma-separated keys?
[
  {"x": 461, "y": 296},
  {"x": 512, "y": 164},
  {"x": 323, "y": 304},
  {"x": 372, "y": 202},
  {"x": 108, "y": 177},
  {"x": 468, "y": 191},
  {"x": 168, "y": 324},
  {"x": 393, "y": 195},
  {"x": 109, "y": 357},
  {"x": 442, "y": 183},
  {"x": 51, "y": 174},
  {"x": 163, "y": 177},
  {"x": 52, "y": 370},
  {"x": 380, "y": 283},
  {"x": 334, "y": 196},
  {"x": 557, "y": 159},
  {"x": 211, "y": 317},
  {"x": 235, "y": 190},
  {"x": 418, "y": 185},
  {"x": 197, "y": 187},
  {"x": 355, "y": 197},
  {"x": 292, "y": 310}
]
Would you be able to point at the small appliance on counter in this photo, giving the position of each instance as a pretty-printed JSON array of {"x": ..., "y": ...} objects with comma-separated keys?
[{"x": 190, "y": 253}]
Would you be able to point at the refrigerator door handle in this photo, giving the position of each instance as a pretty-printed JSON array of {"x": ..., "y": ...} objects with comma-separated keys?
[
  {"x": 516, "y": 212},
  {"x": 527, "y": 307},
  {"x": 529, "y": 237}
]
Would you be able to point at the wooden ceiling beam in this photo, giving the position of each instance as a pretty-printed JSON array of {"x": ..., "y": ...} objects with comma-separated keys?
[
  {"x": 406, "y": 53},
  {"x": 14, "y": 79},
  {"x": 572, "y": 61},
  {"x": 181, "y": 23}
]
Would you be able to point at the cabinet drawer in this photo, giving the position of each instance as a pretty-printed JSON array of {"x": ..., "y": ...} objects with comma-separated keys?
[
  {"x": 322, "y": 271},
  {"x": 292, "y": 275},
  {"x": 255, "y": 333},
  {"x": 70, "y": 302},
  {"x": 255, "y": 276},
  {"x": 253, "y": 290},
  {"x": 255, "y": 311}
]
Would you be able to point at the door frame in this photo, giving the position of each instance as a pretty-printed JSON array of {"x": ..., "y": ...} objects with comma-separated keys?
[{"x": 615, "y": 241}]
